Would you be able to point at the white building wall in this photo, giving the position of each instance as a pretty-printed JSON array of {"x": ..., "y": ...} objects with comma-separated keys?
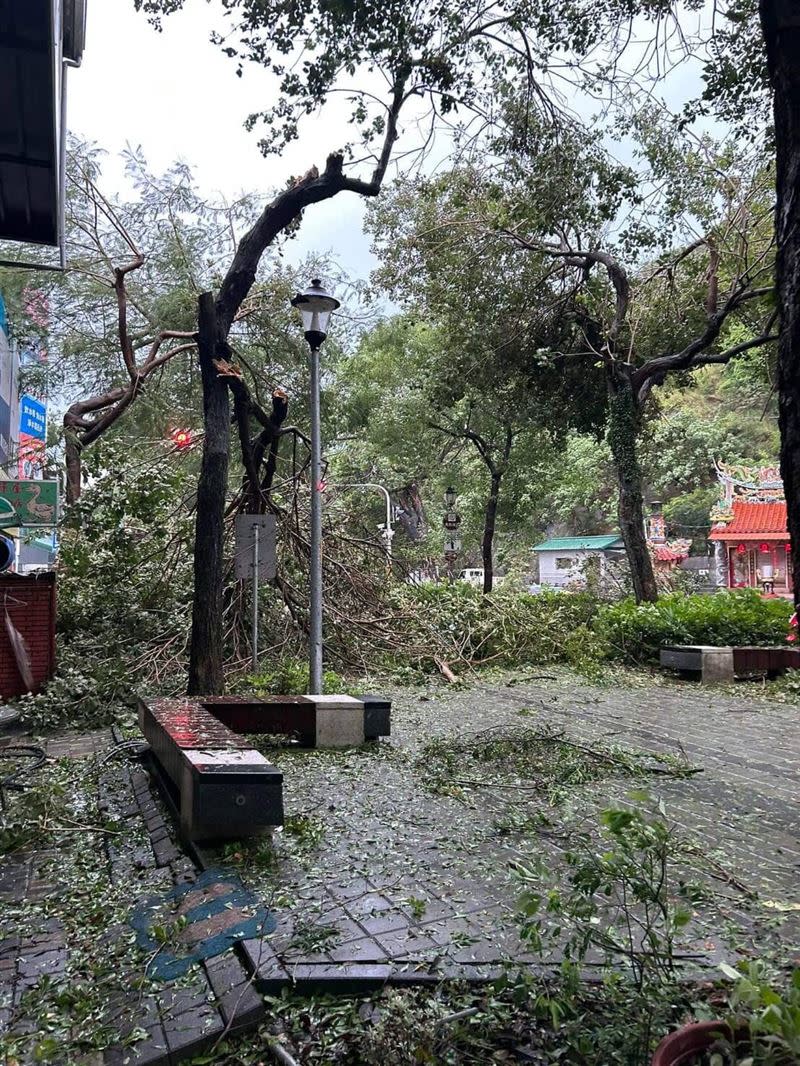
[{"x": 549, "y": 572}]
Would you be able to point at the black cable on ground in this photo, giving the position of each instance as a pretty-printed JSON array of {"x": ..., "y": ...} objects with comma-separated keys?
[{"x": 19, "y": 751}]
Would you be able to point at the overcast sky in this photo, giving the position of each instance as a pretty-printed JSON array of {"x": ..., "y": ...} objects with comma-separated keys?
[{"x": 178, "y": 96}]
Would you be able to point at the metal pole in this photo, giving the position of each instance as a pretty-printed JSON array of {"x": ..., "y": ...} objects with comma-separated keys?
[
  {"x": 315, "y": 572},
  {"x": 389, "y": 530},
  {"x": 255, "y": 598}
]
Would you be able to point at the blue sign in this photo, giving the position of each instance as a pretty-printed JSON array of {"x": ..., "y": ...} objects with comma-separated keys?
[{"x": 32, "y": 417}]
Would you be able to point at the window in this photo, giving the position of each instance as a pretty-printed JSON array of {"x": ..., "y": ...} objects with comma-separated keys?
[{"x": 565, "y": 562}]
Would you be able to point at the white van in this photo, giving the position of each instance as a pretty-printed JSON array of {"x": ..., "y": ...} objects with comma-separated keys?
[{"x": 473, "y": 576}]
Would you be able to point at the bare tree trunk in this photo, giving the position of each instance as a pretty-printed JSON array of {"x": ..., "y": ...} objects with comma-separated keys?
[
  {"x": 780, "y": 23},
  {"x": 623, "y": 429},
  {"x": 74, "y": 466},
  {"x": 490, "y": 517},
  {"x": 206, "y": 675}
]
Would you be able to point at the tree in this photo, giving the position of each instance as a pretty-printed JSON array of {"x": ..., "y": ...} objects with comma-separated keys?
[
  {"x": 781, "y": 30},
  {"x": 418, "y": 52},
  {"x": 121, "y": 313},
  {"x": 671, "y": 310}
]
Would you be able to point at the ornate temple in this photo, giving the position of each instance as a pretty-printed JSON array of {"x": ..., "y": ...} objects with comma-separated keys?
[
  {"x": 666, "y": 554},
  {"x": 748, "y": 531}
]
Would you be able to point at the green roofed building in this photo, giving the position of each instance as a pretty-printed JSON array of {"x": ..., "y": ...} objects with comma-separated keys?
[{"x": 563, "y": 560}]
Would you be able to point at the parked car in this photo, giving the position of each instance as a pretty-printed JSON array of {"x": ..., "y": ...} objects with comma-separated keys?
[{"x": 473, "y": 576}]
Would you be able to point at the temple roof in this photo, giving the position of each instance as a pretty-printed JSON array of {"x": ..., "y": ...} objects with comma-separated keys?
[
  {"x": 673, "y": 551},
  {"x": 752, "y": 521}
]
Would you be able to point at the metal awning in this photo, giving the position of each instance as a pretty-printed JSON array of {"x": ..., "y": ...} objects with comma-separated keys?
[{"x": 36, "y": 38}]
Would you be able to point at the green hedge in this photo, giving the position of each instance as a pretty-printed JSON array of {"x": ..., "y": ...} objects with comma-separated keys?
[
  {"x": 506, "y": 628},
  {"x": 636, "y": 633}
]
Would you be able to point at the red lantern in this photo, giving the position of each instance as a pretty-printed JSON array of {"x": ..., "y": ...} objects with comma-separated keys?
[
  {"x": 181, "y": 438},
  {"x": 741, "y": 549},
  {"x": 787, "y": 547},
  {"x": 764, "y": 548}
]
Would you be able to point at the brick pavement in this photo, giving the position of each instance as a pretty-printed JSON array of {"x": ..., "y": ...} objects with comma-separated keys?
[
  {"x": 412, "y": 886},
  {"x": 409, "y": 886},
  {"x": 171, "y": 1021}
]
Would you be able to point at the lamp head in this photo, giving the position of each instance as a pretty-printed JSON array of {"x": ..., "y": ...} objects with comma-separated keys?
[{"x": 316, "y": 307}]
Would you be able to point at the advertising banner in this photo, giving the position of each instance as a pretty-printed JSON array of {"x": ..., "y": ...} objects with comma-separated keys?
[{"x": 28, "y": 503}]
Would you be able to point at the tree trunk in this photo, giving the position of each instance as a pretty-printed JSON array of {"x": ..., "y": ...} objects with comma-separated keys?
[
  {"x": 623, "y": 428},
  {"x": 205, "y": 655},
  {"x": 74, "y": 466},
  {"x": 489, "y": 520},
  {"x": 780, "y": 22}
]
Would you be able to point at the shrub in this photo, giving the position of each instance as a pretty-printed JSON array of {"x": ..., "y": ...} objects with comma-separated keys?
[
  {"x": 505, "y": 628},
  {"x": 289, "y": 677},
  {"x": 636, "y": 633},
  {"x": 124, "y": 594}
]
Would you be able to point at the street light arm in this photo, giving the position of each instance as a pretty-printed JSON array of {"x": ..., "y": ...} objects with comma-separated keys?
[{"x": 388, "y": 498}]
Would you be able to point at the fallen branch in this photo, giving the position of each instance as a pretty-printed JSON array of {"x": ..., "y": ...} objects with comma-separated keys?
[
  {"x": 446, "y": 671},
  {"x": 280, "y": 1054}
]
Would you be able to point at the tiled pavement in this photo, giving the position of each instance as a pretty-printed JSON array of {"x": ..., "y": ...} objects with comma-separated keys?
[
  {"x": 178, "y": 1020},
  {"x": 408, "y": 886}
]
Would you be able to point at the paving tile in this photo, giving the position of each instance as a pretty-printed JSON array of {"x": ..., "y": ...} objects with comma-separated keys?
[
  {"x": 190, "y": 1023},
  {"x": 365, "y": 950},
  {"x": 238, "y": 1002}
]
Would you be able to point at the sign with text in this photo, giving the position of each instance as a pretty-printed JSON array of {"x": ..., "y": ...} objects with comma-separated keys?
[
  {"x": 245, "y": 537},
  {"x": 28, "y": 503},
  {"x": 32, "y": 417}
]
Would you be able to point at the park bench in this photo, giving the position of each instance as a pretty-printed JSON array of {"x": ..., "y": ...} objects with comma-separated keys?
[
  {"x": 722, "y": 664},
  {"x": 226, "y": 788}
]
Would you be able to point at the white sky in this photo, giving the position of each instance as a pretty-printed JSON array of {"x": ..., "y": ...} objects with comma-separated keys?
[{"x": 177, "y": 96}]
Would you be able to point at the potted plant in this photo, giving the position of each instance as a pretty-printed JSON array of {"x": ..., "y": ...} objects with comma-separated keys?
[
  {"x": 765, "y": 1029},
  {"x": 692, "y": 1045}
]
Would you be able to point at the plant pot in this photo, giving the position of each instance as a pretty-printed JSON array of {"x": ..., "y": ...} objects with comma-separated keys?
[{"x": 685, "y": 1046}]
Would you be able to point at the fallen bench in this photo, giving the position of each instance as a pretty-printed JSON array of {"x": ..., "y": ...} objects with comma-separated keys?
[
  {"x": 722, "y": 664},
  {"x": 226, "y": 787}
]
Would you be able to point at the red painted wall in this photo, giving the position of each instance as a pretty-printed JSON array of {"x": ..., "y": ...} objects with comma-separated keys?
[{"x": 31, "y": 604}]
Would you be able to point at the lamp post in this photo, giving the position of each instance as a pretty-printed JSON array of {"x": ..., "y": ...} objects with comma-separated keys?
[
  {"x": 389, "y": 532},
  {"x": 451, "y": 522},
  {"x": 316, "y": 307}
]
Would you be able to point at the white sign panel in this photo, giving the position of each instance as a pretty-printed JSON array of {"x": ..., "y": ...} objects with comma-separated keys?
[
  {"x": 452, "y": 545},
  {"x": 246, "y": 525}
]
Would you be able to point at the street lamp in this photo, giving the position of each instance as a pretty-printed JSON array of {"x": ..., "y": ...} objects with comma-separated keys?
[
  {"x": 388, "y": 531},
  {"x": 451, "y": 522},
  {"x": 316, "y": 307}
]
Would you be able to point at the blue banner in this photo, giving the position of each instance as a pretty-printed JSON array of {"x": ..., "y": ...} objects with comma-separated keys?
[{"x": 32, "y": 417}]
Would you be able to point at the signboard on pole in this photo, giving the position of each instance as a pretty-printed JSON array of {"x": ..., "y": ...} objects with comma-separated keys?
[
  {"x": 28, "y": 503},
  {"x": 245, "y": 537},
  {"x": 452, "y": 545}
]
